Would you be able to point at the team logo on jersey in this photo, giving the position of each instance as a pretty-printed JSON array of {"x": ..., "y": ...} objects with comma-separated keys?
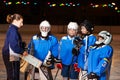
[{"x": 104, "y": 64}]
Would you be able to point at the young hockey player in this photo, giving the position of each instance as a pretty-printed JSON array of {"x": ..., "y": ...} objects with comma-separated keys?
[
  {"x": 100, "y": 57},
  {"x": 66, "y": 55},
  {"x": 88, "y": 40},
  {"x": 45, "y": 46}
]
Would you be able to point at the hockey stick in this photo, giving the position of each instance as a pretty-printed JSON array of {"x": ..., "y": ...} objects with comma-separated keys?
[{"x": 56, "y": 74}]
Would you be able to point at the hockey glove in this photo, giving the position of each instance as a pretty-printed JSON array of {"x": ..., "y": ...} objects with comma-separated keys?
[
  {"x": 59, "y": 65},
  {"x": 23, "y": 45},
  {"x": 76, "y": 67},
  {"x": 75, "y": 51}
]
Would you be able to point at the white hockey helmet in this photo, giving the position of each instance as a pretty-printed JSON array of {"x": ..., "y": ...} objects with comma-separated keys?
[
  {"x": 72, "y": 25},
  {"x": 45, "y": 24},
  {"x": 107, "y": 37}
]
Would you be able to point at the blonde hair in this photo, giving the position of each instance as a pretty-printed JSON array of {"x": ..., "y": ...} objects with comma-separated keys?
[{"x": 15, "y": 16}]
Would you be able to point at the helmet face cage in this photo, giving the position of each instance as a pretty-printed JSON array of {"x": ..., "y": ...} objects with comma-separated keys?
[
  {"x": 44, "y": 28},
  {"x": 107, "y": 37}
]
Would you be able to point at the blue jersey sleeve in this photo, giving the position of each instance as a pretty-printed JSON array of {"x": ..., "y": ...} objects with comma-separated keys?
[
  {"x": 31, "y": 47},
  {"x": 91, "y": 41},
  {"x": 54, "y": 47},
  {"x": 105, "y": 61}
]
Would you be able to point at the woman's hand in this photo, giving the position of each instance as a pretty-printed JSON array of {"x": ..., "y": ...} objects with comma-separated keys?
[{"x": 25, "y": 53}]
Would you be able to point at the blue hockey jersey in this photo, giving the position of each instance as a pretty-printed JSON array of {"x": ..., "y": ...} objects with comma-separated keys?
[
  {"x": 66, "y": 46},
  {"x": 43, "y": 46},
  {"x": 84, "y": 51},
  {"x": 99, "y": 61}
]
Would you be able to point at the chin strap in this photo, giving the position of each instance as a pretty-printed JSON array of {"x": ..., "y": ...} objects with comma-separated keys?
[{"x": 46, "y": 38}]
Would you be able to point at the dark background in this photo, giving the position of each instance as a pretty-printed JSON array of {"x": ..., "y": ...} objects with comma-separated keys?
[{"x": 34, "y": 14}]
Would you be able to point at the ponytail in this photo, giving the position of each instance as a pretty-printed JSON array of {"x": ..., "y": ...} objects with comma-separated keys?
[{"x": 10, "y": 17}]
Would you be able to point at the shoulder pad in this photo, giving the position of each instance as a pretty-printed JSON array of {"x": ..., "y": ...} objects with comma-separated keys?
[
  {"x": 35, "y": 37},
  {"x": 64, "y": 37}
]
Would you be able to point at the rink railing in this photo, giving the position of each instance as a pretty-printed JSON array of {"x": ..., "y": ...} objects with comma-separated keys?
[{"x": 59, "y": 29}]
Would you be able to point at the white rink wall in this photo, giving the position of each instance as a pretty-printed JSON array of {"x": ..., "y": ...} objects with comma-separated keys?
[{"x": 59, "y": 29}]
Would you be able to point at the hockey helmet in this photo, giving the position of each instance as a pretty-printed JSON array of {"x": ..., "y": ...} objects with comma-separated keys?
[
  {"x": 107, "y": 37},
  {"x": 44, "y": 24},
  {"x": 72, "y": 25}
]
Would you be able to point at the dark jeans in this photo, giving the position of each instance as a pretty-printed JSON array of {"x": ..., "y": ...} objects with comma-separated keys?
[{"x": 12, "y": 68}]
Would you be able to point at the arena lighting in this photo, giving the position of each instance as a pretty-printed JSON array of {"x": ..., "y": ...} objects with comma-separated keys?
[
  {"x": 4, "y": 1},
  {"x": 18, "y": 2},
  {"x": 9, "y": 3},
  {"x": 48, "y": 3},
  {"x": 67, "y": 4},
  {"x": 113, "y": 3},
  {"x": 78, "y": 4},
  {"x": 118, "y": 11},
  {"x": 62, "y": 4},
  {"x": 35, "y": 3},
  {"x": 73, "y": 5},
  {"x": 116, "y": 8},
  {"x": 110, "y": 5},
  {"x": 96, "y": 5},
  {"x": 53, "y": 5},
  {"x": 104, "y": 5}
]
